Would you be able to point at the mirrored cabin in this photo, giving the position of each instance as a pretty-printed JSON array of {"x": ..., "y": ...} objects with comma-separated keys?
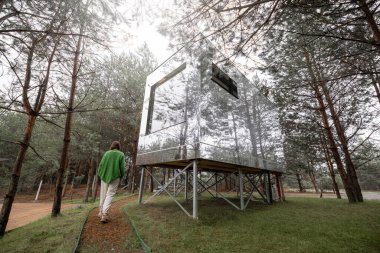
[{"x": 198, "y": 105}]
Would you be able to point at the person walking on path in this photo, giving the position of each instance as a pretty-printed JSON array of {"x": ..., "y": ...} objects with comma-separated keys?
[{"x": 111, "y": 170}]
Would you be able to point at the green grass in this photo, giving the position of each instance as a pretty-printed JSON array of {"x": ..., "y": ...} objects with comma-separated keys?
[
  {"x": 47, "y": 234},
  {"x": 297, "y": 225}
]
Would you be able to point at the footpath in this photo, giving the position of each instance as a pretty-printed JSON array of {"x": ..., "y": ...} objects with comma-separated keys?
[{"x": 24, "y": 213}]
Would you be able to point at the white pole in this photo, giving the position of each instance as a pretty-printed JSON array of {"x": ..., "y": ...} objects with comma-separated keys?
[
  {"x": 141, "y": 185},
  {"x": 38, "y": 191},
  {"x": 175, "y": 192},
  {"x": 186, "y": 181},
  {"x": 195, "y": 190}
]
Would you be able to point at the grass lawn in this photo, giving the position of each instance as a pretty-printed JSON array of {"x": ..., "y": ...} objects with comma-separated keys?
[
  {"x": 297, "y": 225},
  {"x": 47, "y": 234}
]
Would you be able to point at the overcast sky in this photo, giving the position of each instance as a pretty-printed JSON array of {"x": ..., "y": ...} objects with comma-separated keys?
[{"x": 144, "y": 29}]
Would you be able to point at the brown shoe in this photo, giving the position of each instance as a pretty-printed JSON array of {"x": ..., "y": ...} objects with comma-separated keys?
[{"x": 104, "y": 218}]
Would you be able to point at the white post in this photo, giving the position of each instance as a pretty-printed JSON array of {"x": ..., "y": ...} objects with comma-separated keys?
[
  {"x": 38, "y": 191},
  {"x": 141, "y": 185},
  {"x": 174, "y": 183},
  {"x": 195, "y": 189},
  {"x": 186, "y": 186}
]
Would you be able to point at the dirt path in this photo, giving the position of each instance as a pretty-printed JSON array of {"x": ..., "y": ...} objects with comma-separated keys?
[
  {"x": 114, "y": 236},
  {"x": 24, "y": 213}
]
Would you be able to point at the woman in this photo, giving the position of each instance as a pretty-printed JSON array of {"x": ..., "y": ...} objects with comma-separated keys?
[{"x": 111, "y": 170}]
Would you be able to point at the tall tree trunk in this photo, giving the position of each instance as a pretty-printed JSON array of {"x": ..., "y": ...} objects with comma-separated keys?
[
  {"x": 347, "y": 183},
  {"x": 66, "y": 139},
  {"x": 134, "y": 157},
  {"x": 375, "y": 80},
  {"x": 90, "y": 178},
  {"x": 66, "y": 179},
  {"x": 32, "y": 116},
  {"x": 299, "y": 181},
  {"x": 313, "y": 180},
  {"x": 72, "y": 186},
  {"x": 351, "y": 171},
  {"x": 369, "y": 16},
  {"x": 330, "y": 166},
  {"x": 10, "y": 196},
  {"x": 95, "y": 183}
]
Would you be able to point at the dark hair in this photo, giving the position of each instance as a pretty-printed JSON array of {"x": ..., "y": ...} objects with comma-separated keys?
[{"x": 115, "y": 145}]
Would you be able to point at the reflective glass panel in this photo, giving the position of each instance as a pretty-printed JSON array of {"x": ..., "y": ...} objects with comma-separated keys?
[{"x": 167, "y": 101}]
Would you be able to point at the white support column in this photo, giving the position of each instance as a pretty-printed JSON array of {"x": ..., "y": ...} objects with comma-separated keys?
[
  {"x": 186, "y": 185},
  {"x": 174, "y": 183},
  {"x": 38, "y": 191},
  {"x": 195, "y": 189},
  {"x": 141, "y": 184},
  {"x": 241, "y": 189}
]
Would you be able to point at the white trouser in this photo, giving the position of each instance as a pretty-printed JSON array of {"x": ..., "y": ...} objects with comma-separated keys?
[{"x": 107, "y": 191}]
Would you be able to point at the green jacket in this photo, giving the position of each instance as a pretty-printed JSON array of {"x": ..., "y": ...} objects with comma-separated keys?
[{"x": 112, "y": 166}]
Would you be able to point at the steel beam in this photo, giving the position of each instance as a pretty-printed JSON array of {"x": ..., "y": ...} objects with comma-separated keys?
[
  {"x": 257, "y": 189},
  {"x": 183, "y": 209},
  {"x": 166, "y": 185}
]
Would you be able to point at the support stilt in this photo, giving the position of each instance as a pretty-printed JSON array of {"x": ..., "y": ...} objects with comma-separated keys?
[
  {"x": 186, "y": 185},
  {"x": 195, "y": 189},
  {"x": 241, "y": 190},
  {"x": 141, "y": 184}
]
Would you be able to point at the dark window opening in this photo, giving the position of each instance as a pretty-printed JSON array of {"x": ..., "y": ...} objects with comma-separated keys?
[{"x": 224, "y": 81}]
